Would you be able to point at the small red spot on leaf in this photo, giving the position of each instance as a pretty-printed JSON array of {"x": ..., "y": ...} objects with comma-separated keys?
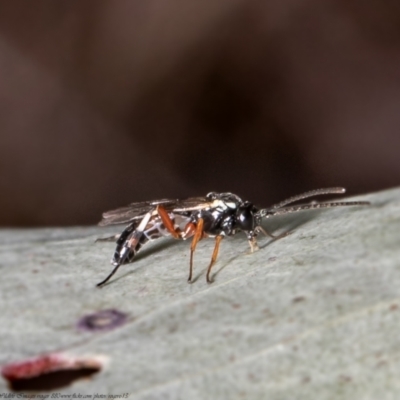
[{"x": 49, "y": 372}]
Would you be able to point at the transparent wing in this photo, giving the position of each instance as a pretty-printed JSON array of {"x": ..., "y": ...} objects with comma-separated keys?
[
  {"x": 131, "y": 212},
  {"x": 136, "y": 211}
]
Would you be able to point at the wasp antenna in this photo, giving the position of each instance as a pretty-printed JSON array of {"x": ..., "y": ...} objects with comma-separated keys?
[
  {"x": 311, "y": 193},
  {"x": 289, "y": 210}
]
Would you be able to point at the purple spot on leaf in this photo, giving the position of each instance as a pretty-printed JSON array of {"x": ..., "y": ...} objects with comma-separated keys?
[{"x": 102, "y": 320}]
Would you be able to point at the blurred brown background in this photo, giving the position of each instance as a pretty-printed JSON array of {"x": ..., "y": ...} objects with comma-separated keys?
[{"x": 106, "y": 102}]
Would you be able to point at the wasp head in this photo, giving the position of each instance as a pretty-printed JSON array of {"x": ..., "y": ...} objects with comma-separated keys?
[{"x": 245, "y": 217}]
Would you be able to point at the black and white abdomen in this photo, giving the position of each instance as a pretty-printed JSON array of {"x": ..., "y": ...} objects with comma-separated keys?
[{"x": 154, "y": 229}]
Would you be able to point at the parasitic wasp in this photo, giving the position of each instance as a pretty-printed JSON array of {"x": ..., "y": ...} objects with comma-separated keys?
[{"x": 216, "y": 215}]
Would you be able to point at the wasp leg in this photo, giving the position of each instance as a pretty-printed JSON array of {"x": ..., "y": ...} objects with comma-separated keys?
[
  {"x": 168, "y": 223},
  {"x": 282, "y": 235},
  {"x": 266, "y": 233},
  {"x": 198, "y": 235},
  {"x": 189, "y": 230},
  {"x": 214, "y": 257},
  {"x": 253, "y": 245},
  {"x": 112, "y": 238}
]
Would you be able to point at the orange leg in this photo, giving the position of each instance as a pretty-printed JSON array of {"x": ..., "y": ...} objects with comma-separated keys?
[
  {"x": 198, "y": 235},
  {"x": 168, "y": 223},
  {"x": 189, "y": 230},
  {"x": 214, "y": 256}
]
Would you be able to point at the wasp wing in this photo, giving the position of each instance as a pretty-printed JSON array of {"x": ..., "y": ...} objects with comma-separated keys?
[
  {"x": 132, "y": 212},
  {"x": 136, "y": 211},
  {"x": 187, "y": 205}
]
